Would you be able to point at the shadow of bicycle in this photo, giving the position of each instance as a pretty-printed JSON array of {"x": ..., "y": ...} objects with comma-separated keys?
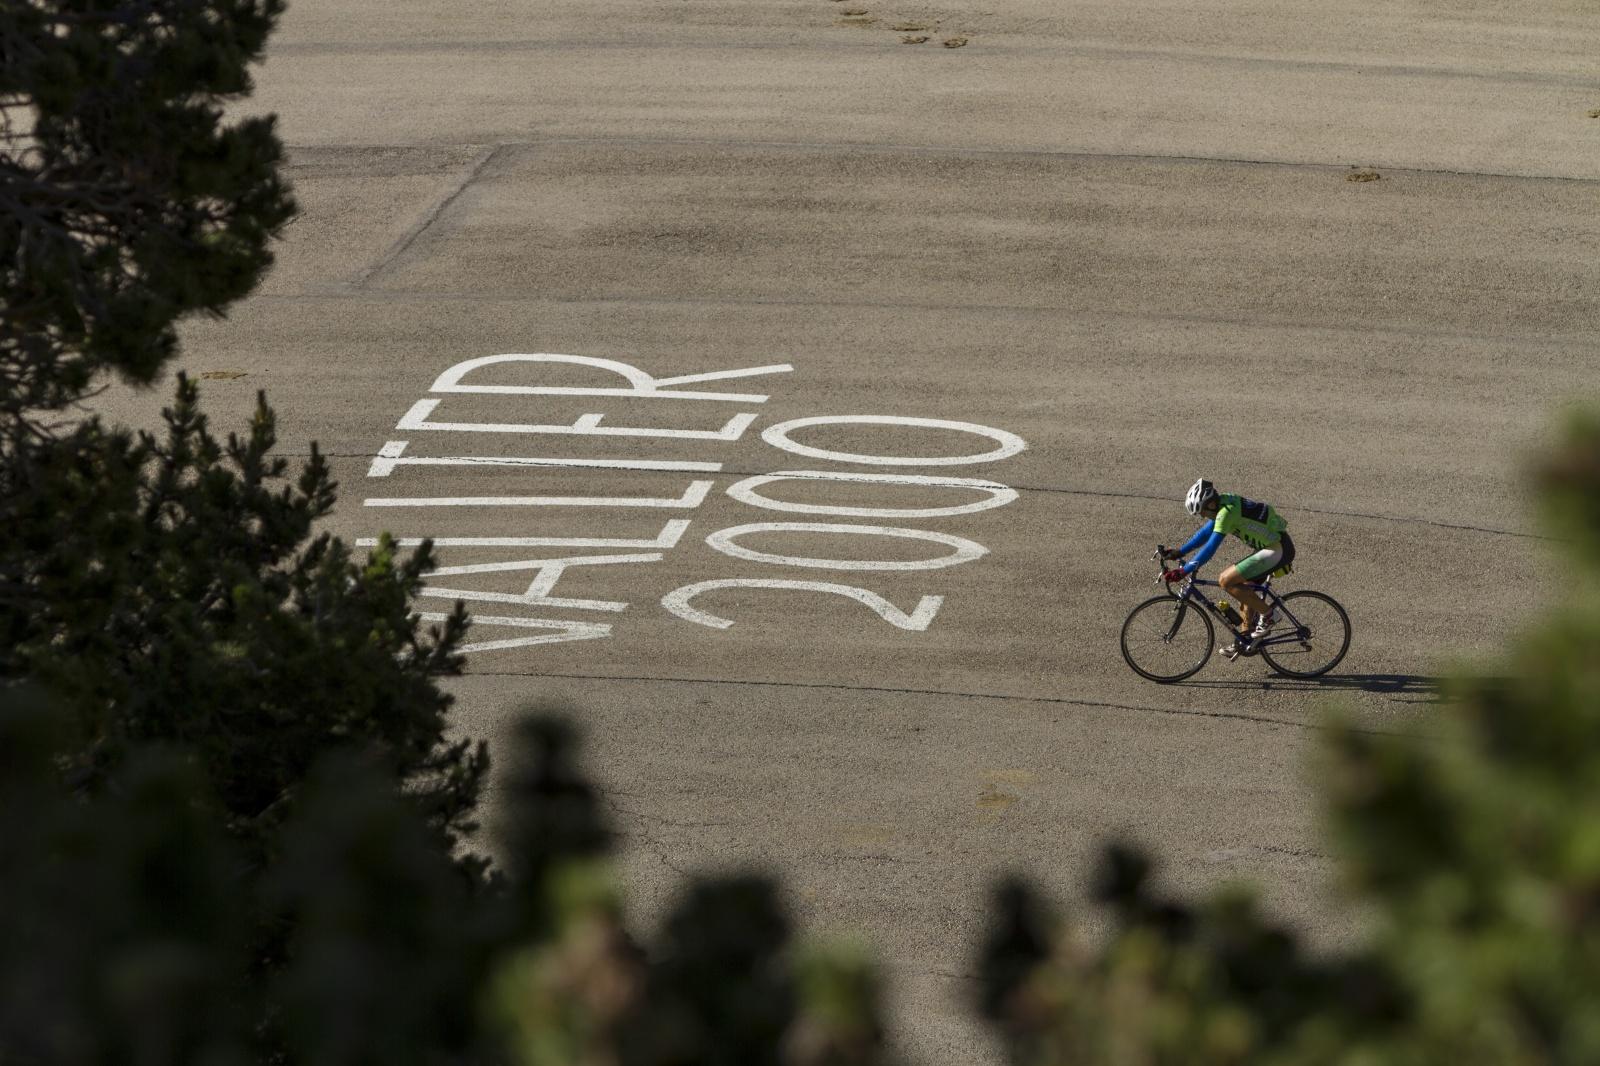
[{"x": 1402, "y": 688}]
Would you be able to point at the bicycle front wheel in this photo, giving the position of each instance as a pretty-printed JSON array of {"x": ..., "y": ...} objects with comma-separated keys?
[
  {"x": 1321, "y": 632},
  {"x": 1167, "y": 639}
]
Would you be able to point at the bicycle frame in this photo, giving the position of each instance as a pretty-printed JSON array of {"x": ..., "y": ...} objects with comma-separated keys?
[{"x": 1262, "y": 589}]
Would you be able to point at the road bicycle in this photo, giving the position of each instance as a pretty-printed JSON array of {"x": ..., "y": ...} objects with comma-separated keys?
[{"x": 1170, "y": 637}]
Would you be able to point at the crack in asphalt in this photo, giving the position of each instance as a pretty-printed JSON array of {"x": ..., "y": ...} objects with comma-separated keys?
[
  {"x": 1048, "y": 700},
  {"x": 1297, "y": 853},
  {"x": 661, "y": 852},
  {"x": 396, "y": 250},
  {"x": 878, "y": 859},
  {"x": 641, "y": 835},
  {"x": 639, "y": 832},
  {"x": 672, "y": 823}
]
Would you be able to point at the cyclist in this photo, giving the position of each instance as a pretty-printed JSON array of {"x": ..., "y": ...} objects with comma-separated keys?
[{"x": 1259, "y": 526}]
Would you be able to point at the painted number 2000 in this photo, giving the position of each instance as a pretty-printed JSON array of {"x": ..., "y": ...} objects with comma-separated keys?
[{"x": 955, "y": 550}]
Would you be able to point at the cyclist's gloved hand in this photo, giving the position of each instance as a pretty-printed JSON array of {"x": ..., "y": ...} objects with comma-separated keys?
[
  {"x": 1171, "y": 553},
  {"x": 1174, "y": 575}
]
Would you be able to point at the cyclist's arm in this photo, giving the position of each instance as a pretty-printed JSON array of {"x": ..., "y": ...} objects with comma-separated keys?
[
  {"x": 1209, "y": 549},
  {"x": 1195, "y": 541}
]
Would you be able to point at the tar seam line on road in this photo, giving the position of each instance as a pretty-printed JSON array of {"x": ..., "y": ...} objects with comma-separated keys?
[
  {"x": 398, "y": 249},
  {"x": 1542, "y": 338},
  {"x": 1052, "y": 700},
  {"x": 1054, "y": 153},
  {"x": 1292, "y": 507},
  {"x": 1097, "y": 493},
  {"x": 958, "y": 150}
]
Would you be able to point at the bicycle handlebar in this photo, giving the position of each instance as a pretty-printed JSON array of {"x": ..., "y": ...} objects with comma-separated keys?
[{"x": 1160, "y": 559}]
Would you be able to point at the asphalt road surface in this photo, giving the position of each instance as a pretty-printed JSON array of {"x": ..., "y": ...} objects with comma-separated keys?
[{"x": 999, "y": 303}]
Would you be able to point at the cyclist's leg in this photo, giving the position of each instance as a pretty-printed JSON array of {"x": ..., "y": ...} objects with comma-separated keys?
[
  {"x": 1287, "y": 562},
  {"x": 1231, "y": 583},
  {"x": 1236, "y": 580},
  {"x": 1234, "y": 585}
]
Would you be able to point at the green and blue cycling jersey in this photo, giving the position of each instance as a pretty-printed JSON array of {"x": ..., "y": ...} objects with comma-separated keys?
[{"x": 1257, "y": 524}]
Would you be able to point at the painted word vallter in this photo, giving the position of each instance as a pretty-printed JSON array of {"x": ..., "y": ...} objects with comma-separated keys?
[{"x": 548, "y": 569}]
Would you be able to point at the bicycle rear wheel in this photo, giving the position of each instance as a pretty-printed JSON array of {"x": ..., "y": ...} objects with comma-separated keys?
[
  {"x": 1167, "y": 639},
  {"x": 1322, "y": 632}
]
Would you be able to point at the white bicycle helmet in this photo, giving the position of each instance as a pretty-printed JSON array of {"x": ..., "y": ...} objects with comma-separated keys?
[{"x": 1201, "y": 491}]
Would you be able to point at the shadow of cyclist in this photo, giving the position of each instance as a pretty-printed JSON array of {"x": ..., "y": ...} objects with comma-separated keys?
[{"x": 1403, "y": 688}]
